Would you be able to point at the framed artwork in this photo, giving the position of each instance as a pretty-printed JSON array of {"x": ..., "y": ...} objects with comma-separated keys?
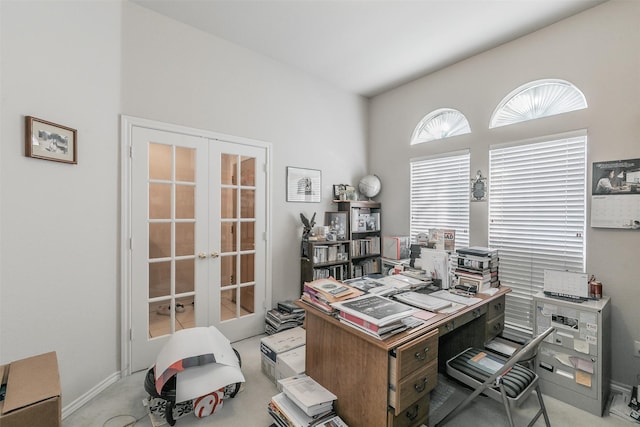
[
  {"x": 303, "y": 185},
  {"x": 478, "y": 188},
  {"x": 50, "y": 141},
  {"x": 337, "y": 223}
]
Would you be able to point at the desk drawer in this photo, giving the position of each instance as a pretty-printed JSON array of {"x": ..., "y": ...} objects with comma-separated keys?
[
  {"x": 496, "y": 308},
  {"x": 463, "y": 319},
  {"x": 413, "y": 416},
  {"x": 494, "y": 327},
  {"x": 413, "y": 387},
  {"x": 413, "y": 355}
]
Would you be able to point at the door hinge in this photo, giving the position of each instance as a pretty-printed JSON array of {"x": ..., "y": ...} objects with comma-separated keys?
[
  {"x": 130, "y": 334},
  {"x": 130, "y": 243},
  {"x": 264, "y": 167},
  {"x": 264, "y": 236}
]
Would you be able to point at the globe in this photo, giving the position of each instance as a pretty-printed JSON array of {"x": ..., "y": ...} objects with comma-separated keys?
[{"x": 370, "y": 186}]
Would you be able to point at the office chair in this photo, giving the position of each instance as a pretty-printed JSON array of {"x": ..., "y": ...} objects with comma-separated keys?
[{"x": 504, "y": 380}]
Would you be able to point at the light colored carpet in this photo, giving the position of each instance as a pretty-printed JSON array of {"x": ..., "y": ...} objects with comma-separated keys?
[{"x": 121, "y": 404}]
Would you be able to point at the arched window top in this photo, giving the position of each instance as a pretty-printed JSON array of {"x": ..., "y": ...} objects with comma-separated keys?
[
  {"x": 540, "y": 98},
  {"x": 439, "y": 124}
]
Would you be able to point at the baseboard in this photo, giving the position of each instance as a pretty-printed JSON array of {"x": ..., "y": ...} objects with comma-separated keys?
[
  {"x": 620, "y": 387},
  {"x": 79, "y": 402}
]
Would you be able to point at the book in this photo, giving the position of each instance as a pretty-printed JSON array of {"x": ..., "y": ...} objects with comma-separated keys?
[
  {"x": 287, "y": 413},
  {"x": 330, "y": 290},
  {"x": 384, "y": 332},
  {"x": 334, "y": 421},
  {"x": 308, "y": 394},
  {"x": 479, "y": 251},
  {"x": 289, "y": 306},
  {"x": 375, "y": 309}
]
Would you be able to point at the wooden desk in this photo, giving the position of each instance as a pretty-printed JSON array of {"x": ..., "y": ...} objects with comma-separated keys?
[{"x": 387, "y": 383}]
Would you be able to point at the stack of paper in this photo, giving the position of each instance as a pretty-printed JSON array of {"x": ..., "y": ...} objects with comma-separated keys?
[
  {"x": 310, "y": 396},
  {"x": 304, "y": 403}
]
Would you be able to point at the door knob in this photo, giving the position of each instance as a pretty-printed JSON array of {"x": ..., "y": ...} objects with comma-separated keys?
[
  {"x": 202, "y": 255},
  {"x": 214, "y": 254}
]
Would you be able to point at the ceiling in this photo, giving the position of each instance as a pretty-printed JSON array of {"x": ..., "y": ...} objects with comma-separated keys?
[{"x": 368, "y": 46}]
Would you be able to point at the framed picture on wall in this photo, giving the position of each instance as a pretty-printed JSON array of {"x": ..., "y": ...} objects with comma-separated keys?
[
  {"x": 303, "y": 185},
  {"x": 50, "y": 141}
]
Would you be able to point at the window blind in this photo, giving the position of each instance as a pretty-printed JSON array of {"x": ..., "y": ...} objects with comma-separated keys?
[
  {"x": 537, "y": 199},
  {"x": 440, "y": 195}
]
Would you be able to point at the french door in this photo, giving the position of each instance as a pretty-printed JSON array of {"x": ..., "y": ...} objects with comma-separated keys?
[{"x": 197, "y": 247}]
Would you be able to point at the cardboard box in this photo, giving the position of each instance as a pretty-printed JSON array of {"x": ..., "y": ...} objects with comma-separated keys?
[
  {"x": 278, "y": 343},
  {"x": 396, "y": 247},
  {"x": 290, "y": 363},
  {"x": 33, "y": 395}
]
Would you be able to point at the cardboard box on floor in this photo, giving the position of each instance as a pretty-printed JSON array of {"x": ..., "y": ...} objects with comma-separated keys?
[
  {"x": 275, "y": 344},
  {"x": 290, "y": 363},
  {"x": 33, "y": 395}
]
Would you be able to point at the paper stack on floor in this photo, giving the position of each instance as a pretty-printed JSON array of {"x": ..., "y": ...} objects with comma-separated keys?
[{"x": 303, "y": 403}]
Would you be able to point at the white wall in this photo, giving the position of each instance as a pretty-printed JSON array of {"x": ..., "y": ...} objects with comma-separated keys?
[
  {"x": 82, "y": 64},
  {"x": 177, "y": 74},
  {"x": 59, "y": 224},
  {"x": 598, "y": 51}
]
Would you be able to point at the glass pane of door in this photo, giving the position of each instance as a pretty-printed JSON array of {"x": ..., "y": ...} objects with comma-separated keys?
[
  {"x": 171, "y": 263},
  {"x": 237, "y": 237}
]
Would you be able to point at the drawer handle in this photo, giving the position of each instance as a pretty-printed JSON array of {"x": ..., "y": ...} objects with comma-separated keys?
[
  {"x": 498, "y": 306},
  {"x": 476, "y": 312},
  {"x": 421, "y": 355},
  {"x": 497, "y": 327},
  {"x": 450, "y": 326},
  {"x": 420, "y": 387},
  {"x": 413, "y": 413}
]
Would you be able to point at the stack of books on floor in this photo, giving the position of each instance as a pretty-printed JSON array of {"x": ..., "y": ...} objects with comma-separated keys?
[
  {"x": 286, "y": 315},
  {"x": 322, "y": 293},
  {"x": 377, "y": 316},
  {"x": 475, "y": 269},
  {"x": 303, "y": 403}
]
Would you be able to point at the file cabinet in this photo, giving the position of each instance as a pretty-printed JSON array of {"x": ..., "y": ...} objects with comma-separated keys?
[{"x": 574, "y": 363}]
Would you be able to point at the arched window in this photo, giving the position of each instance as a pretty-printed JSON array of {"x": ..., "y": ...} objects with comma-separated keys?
[
  {"x": 540, "y": 98},
  {"x": 439, "y": 124}
]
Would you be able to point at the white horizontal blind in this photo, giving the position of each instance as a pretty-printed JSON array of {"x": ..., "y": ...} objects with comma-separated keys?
[
  {"x": 537, "y": 196},
  {"x": 440, "y": 196}
]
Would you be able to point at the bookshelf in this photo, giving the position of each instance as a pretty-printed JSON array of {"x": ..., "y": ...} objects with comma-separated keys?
[
  {"x": 364, "y": 224},
  {"x": 326, "y": 258}
]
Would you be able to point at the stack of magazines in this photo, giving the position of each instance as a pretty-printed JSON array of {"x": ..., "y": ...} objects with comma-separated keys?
[
  {"x": 286, "y": 315},
  {"x": 322, "y": 293},
  {"x": 303, "y": 403},
  {"x": 377, "y": 316}
]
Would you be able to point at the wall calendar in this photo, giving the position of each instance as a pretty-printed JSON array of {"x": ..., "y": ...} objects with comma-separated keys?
[{"x": 615, "y": 194}]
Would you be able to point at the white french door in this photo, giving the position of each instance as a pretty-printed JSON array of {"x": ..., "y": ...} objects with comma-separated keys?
[{"x": 197, "y": 213}]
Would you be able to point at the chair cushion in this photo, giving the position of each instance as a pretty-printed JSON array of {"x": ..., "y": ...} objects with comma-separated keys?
[{"x": 480, "y": 365}]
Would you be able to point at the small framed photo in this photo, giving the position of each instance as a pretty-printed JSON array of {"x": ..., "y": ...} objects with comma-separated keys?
[
  {"x": 303, "y": 185},
  {"x": 50, "y": 141},
  {"x": 337, "y": 223}
]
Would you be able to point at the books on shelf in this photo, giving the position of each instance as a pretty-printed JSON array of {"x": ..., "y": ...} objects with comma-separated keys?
[
  {"x": 330, "y": 253},
  {"x": 365, "y": 247},
  {"x": 308, "y": 394},
  {"x": 376, "y": 310}
]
